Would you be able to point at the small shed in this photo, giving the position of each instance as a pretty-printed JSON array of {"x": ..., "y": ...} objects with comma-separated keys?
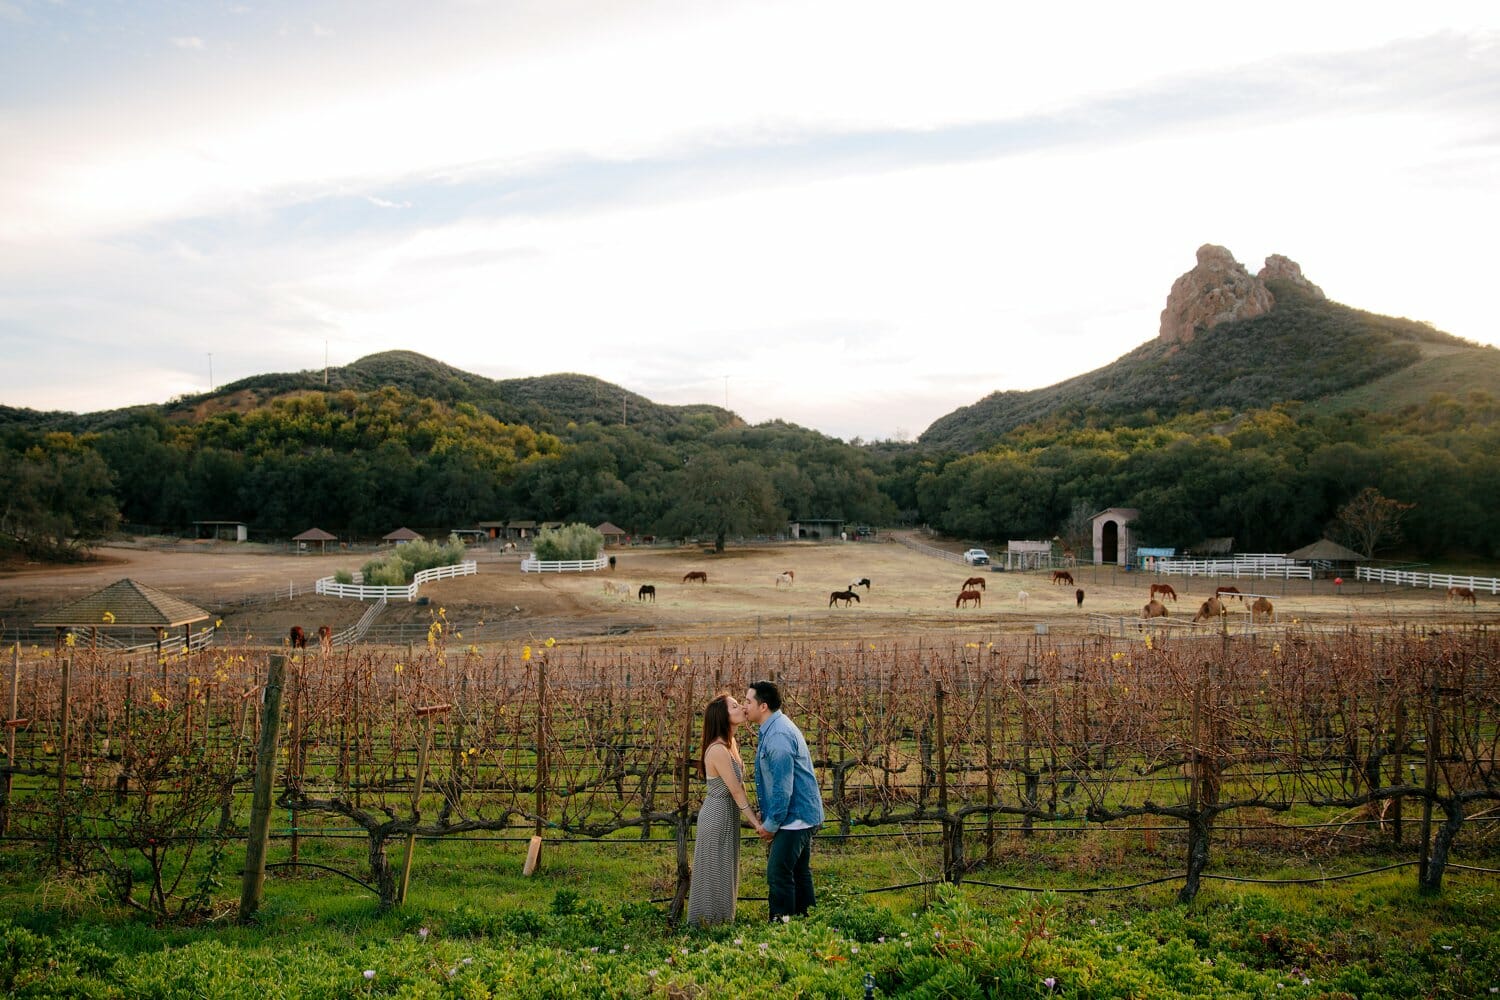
[
  {"x": 401, "y": 536},
  {"x": 519, "y": 531},
  {"x": 222, "y": 531},
  {"x": 494, "y": 529},
  {"x": 613, "y": 533},
  {"x": 311, "y": 535},
  {"x": 816, "y": 527},
  {"x": 1112, "y": 542},
  {"x": 1327, "y": 555},
  {"x": 1022, "y": 553},
  {"x": 125, "y": 604}
]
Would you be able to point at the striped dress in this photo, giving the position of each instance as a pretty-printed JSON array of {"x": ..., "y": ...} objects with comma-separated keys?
[{"x": 715, "y": 881}]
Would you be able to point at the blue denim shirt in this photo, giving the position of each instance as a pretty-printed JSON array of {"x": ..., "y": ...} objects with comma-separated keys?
[{"x": 786, "y": 789}]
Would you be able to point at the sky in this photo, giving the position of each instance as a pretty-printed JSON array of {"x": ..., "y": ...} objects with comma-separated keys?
[{"x": 856, "y": 217}]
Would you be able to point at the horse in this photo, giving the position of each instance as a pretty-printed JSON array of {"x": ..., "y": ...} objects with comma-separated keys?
[
  {"x": 1021, "y": 596},
  {"x": 647, "y": 590},
  {"x": 1462, "y": 594},
  {"x": 1262, "y": 608},
  {"x": 974, "y": 581},
  {"x": 842, "y": 595},
  {"x": 1162, "y": 590},
  {"x": 1154, "y": 609},
  {"x": 1062, "y": 576},
  {"x": 1078, "y": 596},
  {"x": 785, "y": 578},
  {"x": 508, "y": 547},
  {"x": 973, "y": 597},
  {"x": 1228, "y": 592},
  {"x": 297, "y": 638},
  {"x": 696, "y": 575},
  {"x": 325, "y": 638},
  {"x": 1211, "y": 608},
  {"x": 863, "y": 581}
]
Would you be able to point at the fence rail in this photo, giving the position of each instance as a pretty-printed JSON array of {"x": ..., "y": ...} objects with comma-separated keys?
[
  {"x": 534, "y": 565},
  {"x": 1262, "y": 567},
  {"x": 1408, "y": 578},
  {"x": 329, "y": 587}
]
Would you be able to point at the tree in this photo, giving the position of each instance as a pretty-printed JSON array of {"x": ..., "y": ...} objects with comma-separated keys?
[
  {"x": 1370, "y": 520},
  {"x": 720, "y": 499},
  {"x": 56, "y": 498}
]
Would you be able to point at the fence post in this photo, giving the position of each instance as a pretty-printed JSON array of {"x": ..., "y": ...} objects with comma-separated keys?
[
  {"x": 10, "y": 735},
  {"x": 534, "y": 849},
  {"x": 684, "y": 870},
  {"x": 1430, "y": 783},
  {"x": 953, "y": 833},
  {"x": 252, "y": 888}
]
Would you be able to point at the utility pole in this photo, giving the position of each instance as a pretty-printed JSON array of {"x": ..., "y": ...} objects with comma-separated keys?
[{"x": 210, "y": 371}]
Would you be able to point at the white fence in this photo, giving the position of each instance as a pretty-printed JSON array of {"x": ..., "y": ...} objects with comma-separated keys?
[
  {"x": 1407, "y": 578},
  {"x": 531, "y": 564},
  {"x": 928, "y": 550},
  {"x": 1259, "y": 567},
  {"x": 356, "y": 632},
  {"x": 329, "y": 587}
]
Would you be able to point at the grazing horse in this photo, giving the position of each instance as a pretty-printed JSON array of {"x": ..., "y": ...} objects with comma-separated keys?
[
  {"x": 786, "y": 578},
  {"x": 1211, "y": 608},
  {"x": 974, "y": 581},
  {"x": 842, "y": 595},
  {"x": 1021, "y": 596},
  {"x": 1078, "y": 596},
  {"x": 508, "y": 547},
  {"x": 1154, "y": 609},
  {"x": 863, "y": 581},
  {"x": 298, "y": 639},
  {"x": 647, "y": 590},
  {"x": 1062, "y": 576},
  {"x": 973, "y": 597},
  {"x": 1262, "y": 608},
  {"x": 1228, "y": 592},
  {"x": 1462, "y": 594},
  {"x": 1162, "y": 590},
  {"x": 696, "y": 575},
  {"x": 325, "y": 638}
]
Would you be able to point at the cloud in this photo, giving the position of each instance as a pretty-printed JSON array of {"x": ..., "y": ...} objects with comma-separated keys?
[
  {"x": 382, "y": 203},
  {"x": 188, "y": 42}
]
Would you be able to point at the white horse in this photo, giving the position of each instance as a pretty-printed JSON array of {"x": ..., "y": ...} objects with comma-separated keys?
[
  {"x": 1021, "y": 596},
  {"x": 787, "y": 578}
]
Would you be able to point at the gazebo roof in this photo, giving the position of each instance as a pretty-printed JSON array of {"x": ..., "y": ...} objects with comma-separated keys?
[
  {"x": 1328, "y": 551},
  {"x": 403, "y": 535},
  {"x": 315, "y": 535},
  {"x": 610, "y": 528},
  {"x": 130, "y": 604}
]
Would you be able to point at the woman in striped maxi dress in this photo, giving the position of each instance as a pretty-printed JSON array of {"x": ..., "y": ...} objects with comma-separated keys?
[{"x": 715, "y": 882}]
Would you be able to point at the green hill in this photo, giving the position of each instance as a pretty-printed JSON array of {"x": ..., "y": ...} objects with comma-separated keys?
[{"x": 1305, "y": 348}]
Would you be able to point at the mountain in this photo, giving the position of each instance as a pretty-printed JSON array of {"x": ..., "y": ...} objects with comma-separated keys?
[{"x": 1235, "y": 340}]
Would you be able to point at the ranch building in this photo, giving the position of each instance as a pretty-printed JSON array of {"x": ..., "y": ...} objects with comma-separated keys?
[{"x": 1112, "y": 542}]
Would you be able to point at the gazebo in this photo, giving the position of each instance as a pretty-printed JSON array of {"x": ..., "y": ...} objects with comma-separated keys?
[
  {"x": 314, "y": 535},
  {"x": 125, "y": 604},
  {"x": 401, "y": 536},
  {"x": 613, "y": 533},
  {"x": 1327, "y": 551}
]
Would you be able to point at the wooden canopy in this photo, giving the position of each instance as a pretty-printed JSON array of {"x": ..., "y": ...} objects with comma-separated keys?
[
  {"x": 125, "y": 604},
  {"x": 402, "y": 535},
  {"x": 315, "y": 535}
]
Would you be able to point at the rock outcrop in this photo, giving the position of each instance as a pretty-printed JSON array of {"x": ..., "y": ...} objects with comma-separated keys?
[
  {"x": 1289, "y": 270},
  {"x": 1218, "y": 290}
]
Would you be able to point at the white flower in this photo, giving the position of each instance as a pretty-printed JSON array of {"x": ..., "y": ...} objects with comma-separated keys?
[
  {"x": 739, "y": 940},
  {"x": 595, "y": 948},
  {"x": 684, "y": 951},
  {"x": 652, "y": 973},
  {"x": 468, "y": 961},
  {"x": 369, "y": 973},
  {"x": 763, "y": 946},
  {"x": 422, "y": 933},
  {"x": 854, "y": 949},
  {"x": 786, "y": 918},
  {"x": 453, "y": 972}
]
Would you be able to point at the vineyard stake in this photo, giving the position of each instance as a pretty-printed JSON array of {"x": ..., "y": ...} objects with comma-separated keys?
[
  {"x": 252, "y": 889},
  {"x": 11, "y": 724},
  {"x": 426, "y": 712},
  {"x": 62, "y": 762}
]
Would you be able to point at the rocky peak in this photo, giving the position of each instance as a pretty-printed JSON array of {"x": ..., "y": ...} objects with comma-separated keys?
[
  {"x": 1289, "y": 270},
  {"x": 1217, "y": 290}
]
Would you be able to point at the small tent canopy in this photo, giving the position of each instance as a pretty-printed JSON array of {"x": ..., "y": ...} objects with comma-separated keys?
[
  {"x": 401, "y": 535},
  {"x": 315, "y": 535},
  {"x": 1324, "y": 550},
  {"x": 125, "y": 604}
]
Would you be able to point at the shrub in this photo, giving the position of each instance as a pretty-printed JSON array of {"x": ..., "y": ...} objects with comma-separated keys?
[
  {"x": 573, "y": 541},
  {"x": 397, "y": 567},
  {"x": 343, "y": 576}
]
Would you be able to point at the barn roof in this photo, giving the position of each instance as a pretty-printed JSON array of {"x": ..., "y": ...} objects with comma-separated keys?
[
  {"x": 315, "y": 535},
  {"x": 1328, "y": 551},
  {"x": 127, "y": 604},
  {"x": 610, "y": 528},
  {"x": 402, "y": 535}
]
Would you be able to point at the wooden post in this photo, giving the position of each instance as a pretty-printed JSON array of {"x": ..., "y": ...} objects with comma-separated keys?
[
  {"x": 534, "y": 849},
  {"x": 252, "y": 888},
  {"x": 11, "y": 723},
  {"x": 1397, "y": 774},
  {"x": 684, "y": 872},
  {"x": 62, "y": 761},
  {"x": 1430, "y": 784},
  {"x": 426, "y": 712},
  {"x": 295, "y": 761},
  {"x": 952, "y": 845},
  {"x": 989, "y": 768}
]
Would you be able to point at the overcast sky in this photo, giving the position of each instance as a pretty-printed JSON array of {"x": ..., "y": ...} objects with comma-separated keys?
[{"x": 853, "y": 216}]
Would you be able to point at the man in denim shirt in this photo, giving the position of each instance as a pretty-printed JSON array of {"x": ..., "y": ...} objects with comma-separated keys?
[{"x": 791, "y": 807}]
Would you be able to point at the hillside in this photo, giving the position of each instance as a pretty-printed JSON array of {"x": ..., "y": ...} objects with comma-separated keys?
[{"x": 1305, "y": 348}]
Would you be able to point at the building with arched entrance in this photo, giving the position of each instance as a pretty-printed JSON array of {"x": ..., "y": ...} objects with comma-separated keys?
[{"x": 1112, "y": 542}]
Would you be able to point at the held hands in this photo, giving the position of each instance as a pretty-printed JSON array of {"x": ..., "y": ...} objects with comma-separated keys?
[{"x": 763, "y": 833}]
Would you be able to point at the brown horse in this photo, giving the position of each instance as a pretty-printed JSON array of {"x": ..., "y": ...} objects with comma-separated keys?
[
  {"x": 1209, "y": 609},
  {"x": 973, "y": 597},
  {"x": 1162, "y": 590},
  {"x": 842, "y": 595},
  {"x": 1227, "y": 592},
  {"x": 863, "y": 581},
  {"x": 974, "y": 581},
  {"x": 325, "y": 638},
  {"x": 1154, "y": 609},
  {"x": 647, "y": 590},
  {"x": 1062, "y": 576},
  {"x": 297, "y": 638},
  {"x": 1462, "y": 594},
  {"x": 696, "y": 575},
  {"x": 1262, "y": 608},
  {"x": 1078, "y": 596}
]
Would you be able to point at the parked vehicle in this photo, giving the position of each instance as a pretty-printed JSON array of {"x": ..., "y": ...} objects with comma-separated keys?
[{"x": 977, "y": 557}]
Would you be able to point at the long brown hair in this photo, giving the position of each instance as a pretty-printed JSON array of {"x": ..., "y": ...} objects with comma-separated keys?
[{"x": 715, "y": 728}]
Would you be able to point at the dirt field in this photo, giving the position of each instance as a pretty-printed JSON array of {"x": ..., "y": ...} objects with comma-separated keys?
[{"x": 910, "y": 593}]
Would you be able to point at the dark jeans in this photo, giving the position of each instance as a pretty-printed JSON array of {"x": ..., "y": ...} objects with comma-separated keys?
[{"x": 789, "y": 872}]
